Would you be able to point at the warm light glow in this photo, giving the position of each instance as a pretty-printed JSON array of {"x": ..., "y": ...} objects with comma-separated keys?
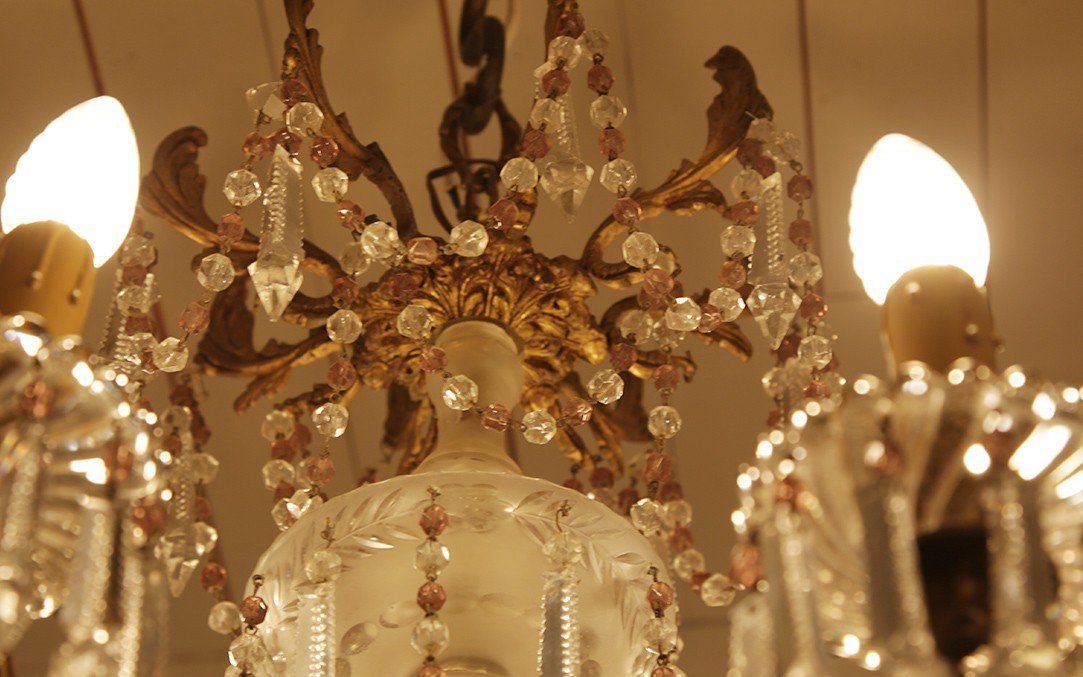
[
  {"x": 82, "y": 171},
  {"x": 910, "y": 209},
  {"x": 1036, "y": 452},
  {"x": 976, "y": 459}
]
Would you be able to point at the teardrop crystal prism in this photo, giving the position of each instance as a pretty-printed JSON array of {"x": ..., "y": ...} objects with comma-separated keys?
[{"x": 773, "y": 305}]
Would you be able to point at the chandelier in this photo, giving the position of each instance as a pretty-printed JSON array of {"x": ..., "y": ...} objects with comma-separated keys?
[{"x": 871, "y": 513}]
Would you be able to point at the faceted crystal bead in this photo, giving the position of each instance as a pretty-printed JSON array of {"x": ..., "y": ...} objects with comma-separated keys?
[
  {"x": 762, "y": 129},
  {"x": 215, "y": 272},
  {"x": 626, "y": 211},
  {"x": 733, "y": 274},
  {"x": 519, "y": 174},
  {"x": 813, "y": 307},
  {"x": 323, "y": 151},
  {"x": 224, "y": 618},
  {"x": 539, "y": 427},
  {"x": 430, "y": 636},
  {"x": 204, "y": 467},
  {"x": 431, "y": 597},
  {"x": 264, "y": 99},
  {"x": 469, "y": 238},
  {"x": 689, "y": 562},
  {"x": 647, "y": 515},
  {"x": 679, "y": 514},
  {"x": 137, "y": 250},
  {"x": 460, "y": 392},
  {"x": 276, "y": 424},
  {"x": 611, "y": 142},
  {"x": 787, "y": 148},
  {"x": 341, "y": 375},
  {"x": 728, "y": 301},
  {"x": 640, "y": 249},
  {"x": 814, "y": 351},
  {"x": 683, "y": 315},
  {"x": 664, "y": 422},
  {"x": 503, "y": 214},
  {"x": 576, "y": 411},
  {"x": 344, "y": 292},
  {"x": 414, "y": 322},
  {"x": 344, "y": 326},
  {"x": 536, "y": 144},
  {"x": 547, "y": 114},
  {"x": 496, "y": 418},
  {"x": 249, "y": 653},
  {"x": 658, "y": 467},
  {"x": 743, "y": 213},
  {"x": 805, "y": 269},
  {"x": 607, "y": 111},
  {"x": 800, "y": 232},
  {"x": 330, "y": 184},
  {"x": 747, "y": 183},
  {"x": 305, "y": 119},
  {"x": 381, "y": 242},
  {"x": 280, "y": 513},
  {"x": 136, "y": 299},
  {"x": 600, "y": 79},
  {"x": 323, "y": 566},
  {"x": 606, "y": 386},
  {"x": 293, "y": 91},
  {"x": 666, "y": 377},
  {"x": 275, "y": 472},
  {"x": 660, "y": 635},
  {"x": 566, "y": 182},
  {"x": 432, "y": 358},
  {"x": 422, "y": 251},
  {"x": 300, "y": 504},
  {"x": 563, "y": 549},
  {"x": 774, "y": 382},
  {"x": 241, "y": 187},
  {"x": 277, "y": 276},
  {"x": 594, "y": 42},
  {"x": 433, "y": 520},
  {"x": 171, "y": 355},
  {"x": 799, "y": 188},
  {"x": 431, "y": 557},
  {"x": 566, "y": 50},
  {"x": 623, "y": 355},
  {"x": 330, "y": 419},
  {"x": 617, "y": 175},
  {"x": 571, "y": 24},
  {"x": 637, "y": 326},
  {"x": 351, "y": 215},
  {"x": 401, "y": 287},
  {"x": 657, "y": 282},
  {"x": 660, "y": 595},
  {"x": 253, "y": 610},
  {"x": 288, "y": 141},
  {"x": 738, "y": 241},
  {"x": 773, "y": 305},
  {"x": 718, "y": 590},
  {"x": 354, "y": 260}
]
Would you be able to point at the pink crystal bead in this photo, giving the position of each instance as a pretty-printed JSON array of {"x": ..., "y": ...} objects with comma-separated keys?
[
  {"x": 657, "y": 282},
  {"x": 422, "y": 251},
  {"x": 622, "y": 356},
  {"x": 256, "y": 145},
  {"x": 194, "y": 318},
  {"x": 627, "y": 211},
  {"x": 344, "y": 291},
  {"x": 571, "y": 24},
  {"x": 775, "y": 418},
  {"x": 671, "y": 491},
  {"x": 230, "y": 228},
  {"x": 301, "y": 436},
  {"x": 213, "y": 577},
  {"x": 37, "y": 399},
  {"x": 666, "y": 377},
  {"x": 611, "y": 142},
  {"x": 150, "y": 518},
  {"x": 764, "y": 166},
  {"x": 183, "y": 395},
  {"x": 351, "y": 215},
  {"x": 788, "y": 347},
  {"x": 431, "y": 671},
  {"x": 288, "y": 140},
  {"x": 658, "y": 467},
  {"x": 285, "y": 449},
  {"x": 813, "y": 307},
  {"x": 283, "y": 490},
  {"x": 253, "y": 610},
  {"x": 577, "y": 411},
  {"x": 401, "y": 287},
  {"x": 320, "y": 470},
  {"x": 799, "y": 188},
  {"x": 341, "y": 375},
  {"x": 627, "y": 497},
  {"x": 172, "y": 443},
  {"x": 536, "y": 144},
  {"x": 709, "y": 319},
  {"x": 556, "y": 82},
  {"x": 660, "y": 596},
  {"x": 433, "y": 359},
  {"x": 496, "y": 417},
  {"x": 600, "y": 79},
  {"x": 136, "y": 324},
  {"x": 747, "y": 566},
  {"x": 744, "y": 212},
  {"x": 323, "y": 151},
  {"x": 801, "y": 232},
  {"x": 649, "y": 301},
  {"x": 734, "y": 274},
  {"x": 574, "y": 484},
  {"x": 504, "y": 213},
  {"x": 133, "y": 274},
  {"x": 748, "y": 150},
  {"x": 680, "y": 539},
  {"x": 203, "y": 509},
  {"x": 433, "y": 520},
  {"x": 602, "y": 478},
  {"x": 292, "y": 91},
  {"x": 816, "y": 390},
  {"x": 431, "y": 597},
  {"x": 698, "y": 579}
]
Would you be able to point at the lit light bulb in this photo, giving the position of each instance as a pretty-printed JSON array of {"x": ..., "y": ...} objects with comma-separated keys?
[
  {"x": 81, "y": 171},
  {"x": 909, "y": 209}
]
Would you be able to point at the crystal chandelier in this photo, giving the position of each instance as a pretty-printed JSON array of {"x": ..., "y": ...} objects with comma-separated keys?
[{"x": 460, "y": 564}]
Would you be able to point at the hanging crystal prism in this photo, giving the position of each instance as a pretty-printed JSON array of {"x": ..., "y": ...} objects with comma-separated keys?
[
  {"x": 316, "y": 632},
  {"x": 276, "y": 272},
  {"x": 751, "y": 652},
  {"x": 19, "y": 517},
  {"x": 769, "y": 263},
  {"x": 565, "y": 178},
  {"x": 772, "y": 303},
  {"x": 558, "y": 655},
  {"x": 140, "y": 646},
  {"x": 177, "y": 548}
]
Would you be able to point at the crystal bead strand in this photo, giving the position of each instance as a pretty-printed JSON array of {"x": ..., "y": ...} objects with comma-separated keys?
[
  {"x": 430, "y": 636},
  {"x": 137, "y": 292},
  {"x": 660, "y": 634},
  {"x": 293, "y": 495},
  {"x": 559, "y": 651},
  {"x": 247, "y": 652},
  {"x": 315, "y": 654}
]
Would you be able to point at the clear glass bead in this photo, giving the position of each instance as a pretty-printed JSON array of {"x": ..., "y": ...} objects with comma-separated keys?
[
  {"x": 460, "y": 392},
  {"x": 354, "y": 260},
  {"x": 215, "y": 272},
  {"x": 606, "y": 386},
  {"x": 607, "y": 111},
  {"x": 664, "y": 421},
  {"x": 539, "y": 427},
  {"x": 689, "y": 562},
  {"x": 683, "y": 315},
  {"x": 381, "y": 242},
  {"x": 640, "y": 249},
  {"x": 249, "y": 653},
  {"x": 728, "y": 301},
  {"x": 430, "y": 636},
  {"x": 305, "y": 118},
  {"x": 136, "y": 298},
  {"x": 431, "y": 557},
  {"x": 647, "y": 515},
  {"x": 301, "y": 502},
  {"x": 469, "y": 238},
  {"x": 264, "y": 99},
  {"x": 330, "y": 184},
  {"x": 664, "y": 336},
  {"x": 563, "y": 549},
  {"x": 747, "y": 182},
  {"x": 594, "y": 42},
  {"x": 566, "y": 49},
  {"x": 344, "y": 326},
  {"x": 519, "y": 174},
  {"x": 618, "y": 174},
  {"x": 224, "y": 618},
  {"x": 774, "y": 382},
  {"x": 330, "y": 419},
  {"x": 814, "y": 352},
  {"x": 241, "y": 187},
  {"x": 323, "y": 566},
  {"x": 660, "y": 635},
  {"x": 718, "y": 590},
  {"x": 738, "y": 241},
  {"x": 762, "y": 129},
  {"x": 177, "y": 417},
  {"x": 137, "y": 250},
  {"x": 547, "y": 114},
  {"x": 806, "y": 269},
  {"x": 636, "y": 326},
  {"x": 281, "y": 516},
  {"x": 278, "y": 423},
  {"x": 678, "y": 513},
  {"x": 277, "y": 471},
  {"x": 171, "y": 355},
  {"x": 787, "y": 148},
  {"x": 414, "y": 322},
  {"x": 204, "y": 467}
]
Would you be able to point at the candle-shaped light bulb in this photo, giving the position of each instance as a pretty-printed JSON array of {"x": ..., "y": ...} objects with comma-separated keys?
[
  {"x": 910, "y": 209},
  {"x": 81, "y": 171}
]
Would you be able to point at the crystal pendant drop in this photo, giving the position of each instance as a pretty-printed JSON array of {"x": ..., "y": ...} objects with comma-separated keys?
[
  {"x": 276, "y": 273},
  {"x": 559, "y": 650},
  {"x": 773, "y": 305},
  {"x": 566, "y": 182}
]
